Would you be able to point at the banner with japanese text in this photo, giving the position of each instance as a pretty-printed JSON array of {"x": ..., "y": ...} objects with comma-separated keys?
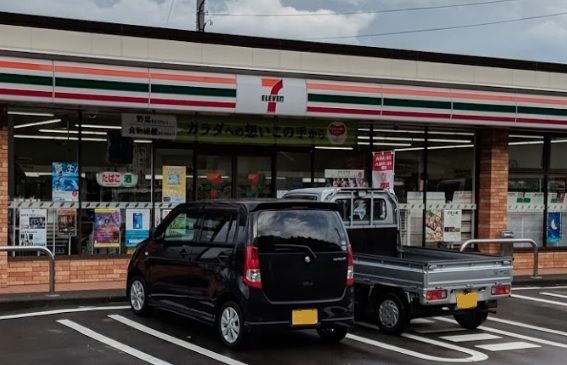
[{"x": 383, "y": 170}]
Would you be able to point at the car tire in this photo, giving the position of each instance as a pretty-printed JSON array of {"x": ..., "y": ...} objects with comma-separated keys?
[
  {"x": 391, "y": 314},
  {"x": 138, "y": 296},
  {"x": 230, "y": 325},
  {"x": 332, "y": 334},
  {"x": 471, "y": 319}
]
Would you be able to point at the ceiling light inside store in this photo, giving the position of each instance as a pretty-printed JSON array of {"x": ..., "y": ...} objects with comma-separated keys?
[
  {"x": 99, "y": 126},
  {"x": 73, "y": 131},
  {"x": 559, "y": 141},
  {"x": 392, "y": 144},
  {"x": 434, "y": 148},
  {"x": 51, "y": 121},
  {"x": 31, "y": 114},
  {"x": 333, "y": 148},
  {"x": 525, "y": 136},
  {"x": 143, "y": 141},
  {"x": 58, "y": 138},
  {"x": 524, "y": 143},
  {"x": 363, "y": 143}
]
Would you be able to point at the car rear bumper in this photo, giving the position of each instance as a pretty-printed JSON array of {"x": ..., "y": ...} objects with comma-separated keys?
[{"x": 261, "y": 313}]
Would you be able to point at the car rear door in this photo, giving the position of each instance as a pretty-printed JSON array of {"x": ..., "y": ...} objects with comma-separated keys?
[{"x": 303, "y": 254}]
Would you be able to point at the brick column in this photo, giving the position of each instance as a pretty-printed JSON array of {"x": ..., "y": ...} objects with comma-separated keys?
[
  {"x": 493, "y": 185},
  {"x": 3, "y": 194}
]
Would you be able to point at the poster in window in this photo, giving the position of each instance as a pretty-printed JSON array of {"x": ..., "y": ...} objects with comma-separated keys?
[
  {"x": 452, "y": 221},
  {"x": 107, "y": 228},
  {"x": 554, "y": 230},
  {"x": 137, "y": 226},
  {"x": 67, "y": 222},
  {"x": 434, "y": 225},
  {"x": 174, "y": 184},
  {"x": 345, "y": 178},
  {"x": 65, "y": 181},
  {"x": 383, "y": 170},
  {"x": 33, "y": 227}
]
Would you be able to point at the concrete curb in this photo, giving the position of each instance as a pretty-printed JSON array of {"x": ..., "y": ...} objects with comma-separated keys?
[
  {"x": 12, "y": 302},
  {"x": 560, "y": 279}
]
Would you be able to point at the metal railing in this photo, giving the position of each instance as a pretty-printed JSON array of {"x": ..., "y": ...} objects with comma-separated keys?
[
  {"x": 509, "y": 241},
  {"x": 38, "y": 249}
]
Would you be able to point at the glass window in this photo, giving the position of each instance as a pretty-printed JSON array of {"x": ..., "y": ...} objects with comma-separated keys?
[
  {"x": 526, "y": 206},
  {"x": 218, "y": 228},
  {"x": 293, "y": 171},
  {"x": 340, "y": 159},
  {"x": 254, "y": 177},
  {"x": 557, "y": 208},
  {"x": 526, "y": 151},
  {"x": 361, "y": 211},
  {"x": 182, "y": 228},
  {"x": 214, "y": 176},
  {"x": 557, "y": 159}
]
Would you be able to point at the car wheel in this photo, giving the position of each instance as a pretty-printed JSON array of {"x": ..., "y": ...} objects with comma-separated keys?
[
  {"x": 391, "y": 314},
  {"x": 332, "y": 334},
  {"x": 231, "y": 325},
  {"x": 138, "y": 296},
  {"x": 471, "y": 319}
]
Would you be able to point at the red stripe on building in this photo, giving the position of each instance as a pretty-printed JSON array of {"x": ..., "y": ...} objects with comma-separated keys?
[
  {"x": 208, "y": 104},
  {"x": 117, "y": 99},
  {"x": 19, "y": 92},
  {"x": 322, "y": 109},
  {"x": 484, "y": 117},
  {"x": 542, "y": 121},
  {"x": 391, "y": 113}
]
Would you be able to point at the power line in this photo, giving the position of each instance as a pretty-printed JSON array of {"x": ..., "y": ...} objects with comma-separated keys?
[
  {"x": 170, "y": 11},
  {"x": 424, "y": 30},
  {"x": 385, "y": 11}
]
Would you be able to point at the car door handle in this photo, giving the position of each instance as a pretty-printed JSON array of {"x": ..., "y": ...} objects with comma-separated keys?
[{"x": 183, "y": 253}]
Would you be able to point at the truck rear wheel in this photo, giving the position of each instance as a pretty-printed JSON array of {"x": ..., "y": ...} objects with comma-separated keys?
[
  {"x": 471, "y": 319},
  {"x": 391, "y": 314}
]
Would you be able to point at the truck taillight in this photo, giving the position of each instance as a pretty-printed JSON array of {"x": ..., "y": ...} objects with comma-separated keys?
[
  {"x": 436, "y": 294},
  {"x": 350, "y": 267},
  {"x": 501, "y": 289},
  {"x": 252, "y": 276}
]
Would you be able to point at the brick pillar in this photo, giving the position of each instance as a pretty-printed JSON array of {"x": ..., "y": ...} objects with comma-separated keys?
[
  {"x": 493, "y": 186},
  {"x": 3, "y": 194}
]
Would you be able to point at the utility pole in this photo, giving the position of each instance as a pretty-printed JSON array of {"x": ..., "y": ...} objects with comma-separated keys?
[{"x": 200, "y": 15}]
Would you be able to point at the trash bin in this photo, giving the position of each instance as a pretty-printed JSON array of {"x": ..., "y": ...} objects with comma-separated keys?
[{"x": 507, "y": 249}]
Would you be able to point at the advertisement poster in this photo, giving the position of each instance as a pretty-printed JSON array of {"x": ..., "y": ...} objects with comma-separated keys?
[
  {"x": 67, "y": 222},
  {"x": 554, "y": 231},
  {"x": 383, "y": 170},
  {"x": 33, "y": 227},
  {"x": 107, "y": 228},
  {"x": 137, "y": 226},
  {"x": 434, "y": 226},
  {"x": 173, "y": 184},
  {"x": 452, "y": 219},
  {"x": 345, "y": 178},
  {"x": 65, "y": 181}
]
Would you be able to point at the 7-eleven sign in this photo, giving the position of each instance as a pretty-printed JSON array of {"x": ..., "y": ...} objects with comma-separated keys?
[{"x": 270, "y": 95}]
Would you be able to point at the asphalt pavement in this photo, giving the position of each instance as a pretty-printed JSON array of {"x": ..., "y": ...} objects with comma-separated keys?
[{"x": 529, "y": 328}]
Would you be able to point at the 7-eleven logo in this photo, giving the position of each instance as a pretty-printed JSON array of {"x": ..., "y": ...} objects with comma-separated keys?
[{"x": 274, "y": 86}]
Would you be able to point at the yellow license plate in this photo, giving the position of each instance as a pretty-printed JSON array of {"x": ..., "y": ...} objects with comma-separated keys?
[
  {"x": 302, "y": 317},
  {"x": 467, "y": 300}
]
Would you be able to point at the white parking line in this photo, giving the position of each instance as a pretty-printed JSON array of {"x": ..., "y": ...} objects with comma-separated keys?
[
  {"x": 529, "y": 326},
  {"x": 175, "y": 340},
  {"x": 508, "y": 346},
  {"x": 62, "y": 311},
  {"x": 539, "y": 300},
  {"x": 475, "y": 356},
  {"x": 113, "y": 343},
  {"x": 471, "y": 337},
  {"x": 438, "y": 330},
  {"x": 538, "y": 288},
  {"x": 510, "y": 334},
  {"x": 421, "y": 321},
  {"x": 554, "y": 295}
]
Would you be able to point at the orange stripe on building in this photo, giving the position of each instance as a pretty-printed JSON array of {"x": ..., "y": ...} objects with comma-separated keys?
[
  {"x": 194, "y": 78},
  {"x": 26, "y": 66},
  {"x": 343, "y": 87},
  {"x": 101, "y": 71},
  {"x": 270, "y": 82}
]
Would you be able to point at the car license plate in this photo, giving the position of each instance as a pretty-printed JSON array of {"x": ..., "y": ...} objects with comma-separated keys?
[
  {"x": 466, "y": 300},
  {"x": 302, "y": 317}
]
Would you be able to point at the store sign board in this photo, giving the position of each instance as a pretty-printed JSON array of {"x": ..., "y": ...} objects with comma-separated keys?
[
  {"x": 149, "y": 126},
  {"x": 383, "y": 170},
  {"x": 137, "y": 226},
  {"x": 33, "y": 227},
  {"x": 115, "y": 179},
  {"x": 270, "y": 95},
  {"x": 65, "y": 181}
]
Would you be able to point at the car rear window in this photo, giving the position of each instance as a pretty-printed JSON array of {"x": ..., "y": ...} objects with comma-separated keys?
[{"x": 319, "y": 230}]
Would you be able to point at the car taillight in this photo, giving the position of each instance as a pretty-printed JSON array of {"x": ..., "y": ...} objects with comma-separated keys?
[
  {"x": 252, "y": 276},
  {"x": 501, "y": 289},
  {"x": 350, "y": 267},
  {"x": 436, "y": 294}
]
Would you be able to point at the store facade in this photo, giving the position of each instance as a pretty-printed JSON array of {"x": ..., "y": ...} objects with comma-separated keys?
[{"x": 105, "y": 129}]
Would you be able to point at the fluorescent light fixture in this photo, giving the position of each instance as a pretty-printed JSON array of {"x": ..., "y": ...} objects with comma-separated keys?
[
  {"x": 142, "y": 141},
  {"x": 408, "y": 149},
  {"x": 399, "y": 131},
  {"x": 333, "y": 148},
  {"x": 392, "y": 144},
  {"x": 559, "y": 141},
  {"x": 363, "y": 143},
  {"x": 94, "y": 139},
  {"x": 72, "y": 131},
  {"x": 449, "y": 140},
  {"x": 524, "y": 143},
  {"x": 364, "y": 129},
  {"x": 99, "y": 126},
  {"x": 51, "y": 121},
  {"x": 35, "y": 136},
  {"x": 363, "y": 137},
  {"x": 450, "y": 147},
  {"x": 452, "y": 133},
  {"x": 31, "y": 114},
  {"x": 525, "y": 136}
]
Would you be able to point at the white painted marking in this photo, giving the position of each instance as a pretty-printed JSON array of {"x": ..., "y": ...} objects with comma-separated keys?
[
  {"x": 475, "y": 356},
  {"x": 62, "y": 311},
  {"x": 113, "y": 343},
  {"x": 471, "y": 337},
  {"x": 439, "y": 330},
  {"x": 510, "y": 334},
  {"x": 538, "y": 288},
  {"x": 539, "y": 300},
  {"x": 508, "y": 346},
  {"x": 529, "y": 326},
  {"x": 554, "y": 295},
  {"x": 175, "y": 340},
  {"x": 421, "y": 321}
]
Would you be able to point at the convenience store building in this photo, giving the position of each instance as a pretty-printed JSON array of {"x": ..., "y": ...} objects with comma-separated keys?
[{"x": 105, "y": 127}]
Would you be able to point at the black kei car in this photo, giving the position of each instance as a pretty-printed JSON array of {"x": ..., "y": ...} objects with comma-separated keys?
[{"x": 246, "y": 265}]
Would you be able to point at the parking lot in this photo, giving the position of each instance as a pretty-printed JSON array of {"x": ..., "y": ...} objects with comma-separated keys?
[{"x": 530, "y": 327}]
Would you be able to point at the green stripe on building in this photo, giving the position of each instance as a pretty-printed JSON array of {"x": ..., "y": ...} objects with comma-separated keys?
[
  {"x": 101, "y": 85},
  {"x": 26, "y": 79},
  {"x": 192, "y": 90},
  {"x": 485, "y": 107},
  {"x": 543, "y": 111},
  {"x": 343, "y": 99},
  {"x": 418, "y": 103}
]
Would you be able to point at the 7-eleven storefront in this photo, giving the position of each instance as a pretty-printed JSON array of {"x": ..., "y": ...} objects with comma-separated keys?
[{"x": 96, "y": 150}]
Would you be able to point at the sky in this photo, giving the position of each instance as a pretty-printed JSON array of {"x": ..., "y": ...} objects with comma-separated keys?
[{"x": 365, "y": 22}]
